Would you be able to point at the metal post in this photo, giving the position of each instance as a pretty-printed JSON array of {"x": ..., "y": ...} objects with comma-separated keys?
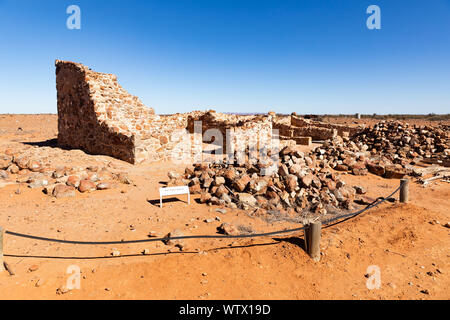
[
  {"x": 2, "y": 266},
  {"x": 404, "y": 190},
  {"x": 312, "y": 239}
]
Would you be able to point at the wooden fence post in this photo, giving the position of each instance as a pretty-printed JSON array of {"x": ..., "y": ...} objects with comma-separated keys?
[
  {"x": 404, "y": 190},
  {"x": 312, "y": 239},
  {"x": 2, "y": 265}
]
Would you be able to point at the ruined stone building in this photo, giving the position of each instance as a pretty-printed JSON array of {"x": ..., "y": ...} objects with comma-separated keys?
[{"x": 97, "y": 115}]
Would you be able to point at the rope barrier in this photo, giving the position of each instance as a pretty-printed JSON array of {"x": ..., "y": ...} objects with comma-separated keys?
[{"x": 346, "y": 217}]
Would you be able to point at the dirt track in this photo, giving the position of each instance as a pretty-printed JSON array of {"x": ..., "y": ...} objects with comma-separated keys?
[{"x": 412, "y": 253}]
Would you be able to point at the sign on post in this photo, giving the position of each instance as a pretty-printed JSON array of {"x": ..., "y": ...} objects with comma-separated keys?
[{"x": 174, "y": 191}]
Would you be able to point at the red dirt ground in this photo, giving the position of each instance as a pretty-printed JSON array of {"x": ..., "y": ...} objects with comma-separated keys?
[{"x": 411, "y": 252}]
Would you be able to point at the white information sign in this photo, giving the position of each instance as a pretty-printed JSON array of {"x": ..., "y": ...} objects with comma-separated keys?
[{"x": 174, "y": 191}]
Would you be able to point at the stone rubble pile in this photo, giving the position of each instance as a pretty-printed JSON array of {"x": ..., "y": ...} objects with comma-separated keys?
[
  {"x": 404, "y": 141},
  {"x": 302, "y": 183},
  {"x": 345, "y": 155},
  {"x": 386, "y": 149},
  {"x": 58, "y": 182}
]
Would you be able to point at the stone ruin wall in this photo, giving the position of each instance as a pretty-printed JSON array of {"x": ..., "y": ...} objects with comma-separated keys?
[
  {"x": 97, "y": 115},
  {"x": 321, "y": 130},
  {"x": 253, "y": 130}
]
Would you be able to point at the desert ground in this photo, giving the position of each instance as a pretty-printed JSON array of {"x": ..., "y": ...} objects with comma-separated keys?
[{"x": 408, "y": 242}]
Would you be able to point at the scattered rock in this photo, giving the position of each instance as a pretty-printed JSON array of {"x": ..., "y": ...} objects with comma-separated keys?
[
  {"x": 63, "y": 191},
  {"x": 87, "y": 186},
  {"x": 115, "y": 253},
  {"x": 360, "y": 190},
  {"x": 175, "y": 233},
  {"x": 104, "y": 186},
  {"x": 73, "y": 181},
  {"x": 228, "y": 229},
  {"x": 33, "y": 268}
]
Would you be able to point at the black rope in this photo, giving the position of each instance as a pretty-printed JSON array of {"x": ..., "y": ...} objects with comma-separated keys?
[
  {"x": 377, "y": 202},
  {"x": 155, "y": 239}
]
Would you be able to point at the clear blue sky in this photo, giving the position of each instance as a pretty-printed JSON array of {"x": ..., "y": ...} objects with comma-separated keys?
[{"x": 314, "y": 56}]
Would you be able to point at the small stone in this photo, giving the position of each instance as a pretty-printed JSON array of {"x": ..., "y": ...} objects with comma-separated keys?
[
  {"x": 152, "y": 234},
  {"x": 63, "y": 191},
  {"x": 218, "y": 181},
  {"x": 87, "y": 186},
  {"x": 4, "y": 174},
  {"x": 123, "y": 178},
  {"x": 146, "y": 252},
  {"x": 33, "y": 268},
  {"x": 247, "y": 199},
  {"x": 34, "y": 166},
  {"x": 175, "y": 233},
  {"x": 242, "y": 183},
  {"x": 73, "y": 181},
  {"x": 39, "y": 183},
  {"x": 205, "y": 197},
  {"x": 360, "y": 190},
  {"x": 14, "y": 169},
  {"x": 104, "y": 186},
  {"x": 195, "y": 189},
  {"x": 173, "y": 175},
  {"x": 227, "y": 229},
  {"x": 115, "y": 253}
]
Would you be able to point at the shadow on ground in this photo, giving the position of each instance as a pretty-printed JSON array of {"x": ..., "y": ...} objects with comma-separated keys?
[{"x": 142, "y": 255}]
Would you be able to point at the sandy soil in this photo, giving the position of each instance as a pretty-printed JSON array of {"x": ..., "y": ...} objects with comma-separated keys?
[{"x": 403, "y": 240}]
